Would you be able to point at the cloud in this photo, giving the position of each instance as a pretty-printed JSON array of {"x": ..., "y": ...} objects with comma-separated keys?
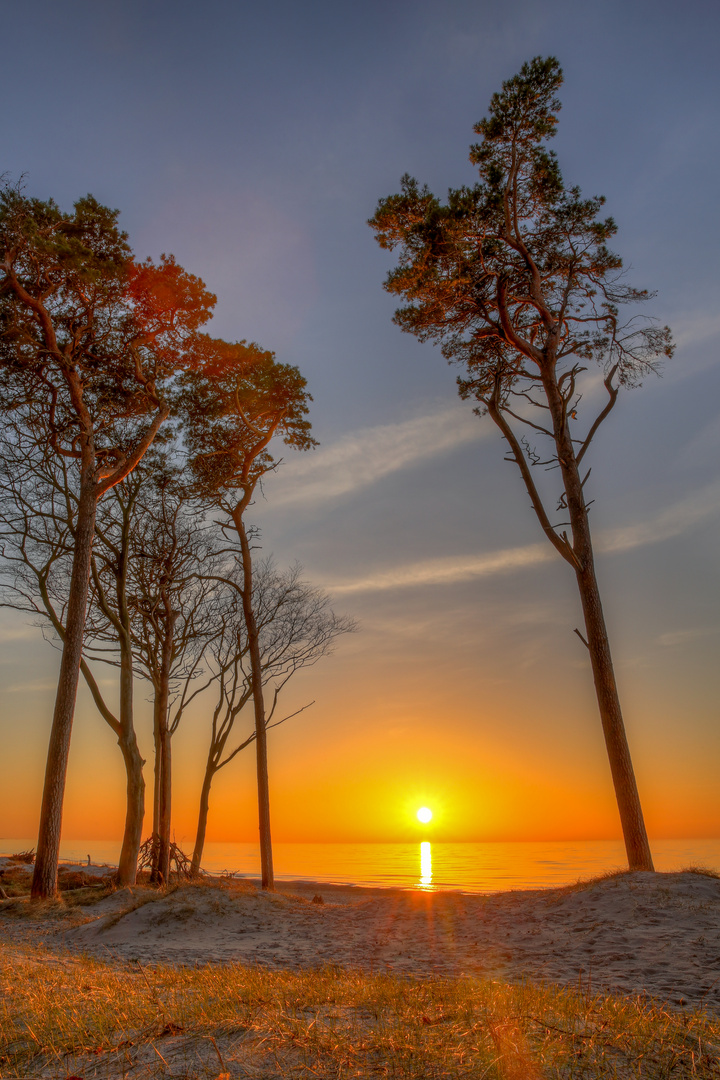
[
  {"x": 690, "y": 329},
  {"x": 695, "y": 334},
  {"x": 31, "y": 687},
  {"x": 449, "y": 570},
  {"x": 366, "y": 456},
  {"x": 677, "y": 519},
  {"x": 18, "y": 633},
  {"x": 682, "y": 637}
]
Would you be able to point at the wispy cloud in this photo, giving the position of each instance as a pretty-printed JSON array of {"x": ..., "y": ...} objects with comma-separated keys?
[
  {"x": 449, "y": 570},
  {"x": 695, "y": 334},
  {"x": 684, "y": 637},
  {"x": 677, "y": 519},
  {"x": 17, "y": 633},
  {"x": 690, "y": 329},
  {"x": 365, "y": 456},
  {"x": 31, "y": 687}
]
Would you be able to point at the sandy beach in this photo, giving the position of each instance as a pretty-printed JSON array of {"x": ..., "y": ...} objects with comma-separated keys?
[{"x": 638, "y": 934}]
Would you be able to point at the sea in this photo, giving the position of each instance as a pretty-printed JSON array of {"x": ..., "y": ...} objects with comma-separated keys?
[{"x": 468, "y": 867}]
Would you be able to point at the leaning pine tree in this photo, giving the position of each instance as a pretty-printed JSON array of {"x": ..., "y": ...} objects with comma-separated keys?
[{"x": 514, "y": 279}]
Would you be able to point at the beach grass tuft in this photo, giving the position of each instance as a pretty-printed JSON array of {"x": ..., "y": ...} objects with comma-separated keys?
[
  {"x": 63, "y": 1015},
  {"x": 702, "y": 871}
]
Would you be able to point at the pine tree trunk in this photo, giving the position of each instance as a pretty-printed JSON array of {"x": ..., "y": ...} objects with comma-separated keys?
[
  {"x": 134, "y": 811},
  {"x": 266, "y": 859},
  {"x": 135, "y": 786},
  {"x": 163, "y": 705},
  {"x": 621, "y": 768},
  {"x": 165, "y": 805},
  {"x": 623, "y": 776},
  {"x": 202, "y": 818},
  {"x": 44, "y": 883},
  {"x": 157, "y": 785}
]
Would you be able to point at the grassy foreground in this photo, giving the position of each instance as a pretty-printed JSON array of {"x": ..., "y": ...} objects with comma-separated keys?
[{"x": 64, "y": 1016}]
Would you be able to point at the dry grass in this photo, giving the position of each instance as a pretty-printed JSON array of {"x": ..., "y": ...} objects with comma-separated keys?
[
  {"x": 75, "y": 895},
  {"x": 584, "y": 883},
  {"x": 18, "y": 901},
  {"x": 63, "y": 1016},
  {"x": 74, "y": 885},
  {"x": 702, "y": 871}
]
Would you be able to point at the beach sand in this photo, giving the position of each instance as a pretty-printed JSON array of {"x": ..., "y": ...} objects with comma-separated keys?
[{"x": 632, "y": 933}]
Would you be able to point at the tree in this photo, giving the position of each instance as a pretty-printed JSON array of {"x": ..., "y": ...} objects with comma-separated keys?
[
  {"x": 172, "y": 600},
  {"x": 514, "y": 279},
  {"x": 88, "y": 340},
  {"x": 110, "y": 602},
  {"x": 153, "y": 603},
  {"x": 235, "y": 403},
  {"x": 296, "y": 628},
  {"x": 38, "y": 505}
]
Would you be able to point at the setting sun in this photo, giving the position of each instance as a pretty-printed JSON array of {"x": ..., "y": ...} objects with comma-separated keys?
[{"x": 424, "y": 815}]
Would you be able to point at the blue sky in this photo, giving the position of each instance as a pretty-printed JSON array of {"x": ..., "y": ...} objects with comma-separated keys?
[{"x": 254, "y": 142}]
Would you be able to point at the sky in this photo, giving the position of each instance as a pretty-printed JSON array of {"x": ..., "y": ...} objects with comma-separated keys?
[{"x": 253, "y": 142}]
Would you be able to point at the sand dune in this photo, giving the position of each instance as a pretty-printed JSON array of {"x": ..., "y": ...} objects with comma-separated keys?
[{"x": 654, "y": 934}]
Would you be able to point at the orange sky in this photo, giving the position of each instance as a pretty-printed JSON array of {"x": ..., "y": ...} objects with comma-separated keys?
[{"x": 496, "y": 754}]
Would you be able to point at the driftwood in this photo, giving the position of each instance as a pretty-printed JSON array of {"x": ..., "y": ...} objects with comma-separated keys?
[
  {"x": 148, "y": 858},
  {"x": 23, "y": 857}
]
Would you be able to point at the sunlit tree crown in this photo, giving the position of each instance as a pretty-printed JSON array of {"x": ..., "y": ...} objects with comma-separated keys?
[
  {"x": 514, "y": 273},
  {"x": 234, "y": 402}
]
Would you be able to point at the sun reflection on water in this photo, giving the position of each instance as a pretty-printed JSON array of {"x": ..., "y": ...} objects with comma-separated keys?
[{"x": 426, "y": 864}]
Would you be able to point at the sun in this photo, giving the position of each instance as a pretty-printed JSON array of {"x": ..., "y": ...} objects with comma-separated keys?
[{"x": 424, "y": 815}]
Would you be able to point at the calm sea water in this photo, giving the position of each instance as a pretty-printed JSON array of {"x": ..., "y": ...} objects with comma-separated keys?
[{"x": 470, "y": 867}]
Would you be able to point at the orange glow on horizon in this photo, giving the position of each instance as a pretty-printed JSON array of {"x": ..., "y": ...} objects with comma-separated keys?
[{"x": 329, "y": 784}]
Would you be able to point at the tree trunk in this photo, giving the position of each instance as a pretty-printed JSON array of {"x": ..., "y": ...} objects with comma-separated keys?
[
  {"x": 157, "y": 785},
  {"x": 135, "y": 804},
  {"x": 44, "y": 883},
  {"x": 621, "y": 768},
  {"x": 266, "y": 859},
  {"x": 626, "y": 792},
  {"x": 135, "y": 798},
  {"x": 165, "y": 805},
  {"x": 134, "y": 810},
  {"x": 202, "y": 817},
  {"x": 162, "y": 706}
]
